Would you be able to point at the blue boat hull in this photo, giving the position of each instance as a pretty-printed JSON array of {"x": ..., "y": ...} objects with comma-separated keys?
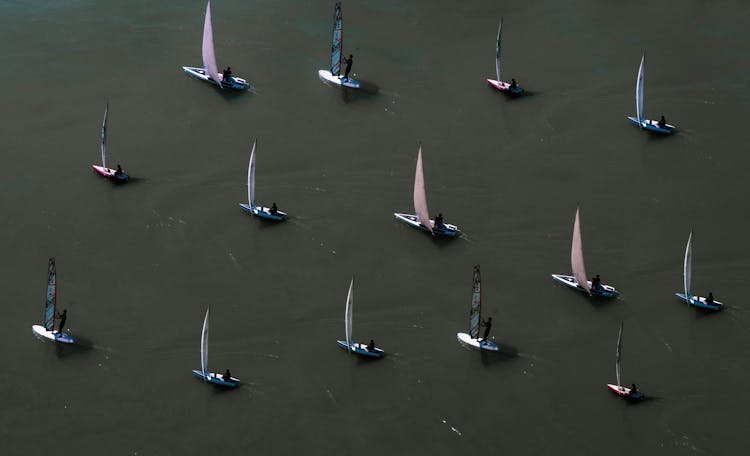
[
  {"x": 446, "y": 230},
  {"x": 653, "y": 126},
  {"x": 361, "y": 349},
  {"x": 699, "y": 302},
  {"x": 606, "y": 291},
  {"x": 217, "y": 380},
  {"x": 263, "y": 212}
]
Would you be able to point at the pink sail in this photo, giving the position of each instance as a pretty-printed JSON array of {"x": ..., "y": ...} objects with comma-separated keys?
[
  {"x": 576, "y": 256},
  {"x": 420, "y": 197},
  {"x": 209, "y": 57}
]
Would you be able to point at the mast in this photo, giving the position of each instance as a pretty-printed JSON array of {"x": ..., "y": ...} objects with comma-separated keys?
[
  {"x": 104, "y": 137},
  {"x": 348, "y": 315},
  {"x": 209, "y": 55},
  {"x": 251, "y": 178},
  {"x": 618, "y": 355},
  {"x": 576, "y": 255},
  {"x": 687, "y": 267},
  {"x": 50, "y": 304},
  {"x": 475, "y": 314},
  {"x": 497, "y": 49},
  {"x": 204, "y": 347},
  {"x": 639, "y": 91},
  {"x": 420, "y": 197},
  {"x": 338, "y": 40}
]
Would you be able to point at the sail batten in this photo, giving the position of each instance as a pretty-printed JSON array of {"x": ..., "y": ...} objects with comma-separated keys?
[
  {"x": 50, "y": 304},
  {"x": 251, "y": 178},
  {"x": 420, "y": 195},
  {"x": 338, "y": 40},
  {"x": 348, "y": 315},
  {"x": 687, "y": 266},
  {"x": 639, "y": 91},
  {"x": 204, "y": 347},
  {"x": 104, "y": 137},
  {"x": 475, "y": 313},
  {"x": 576, "y": 255},
  {"x": 498, "y": 48},
  {"x": 209, "y": 55},
  {"x": 618, "y": 355}
]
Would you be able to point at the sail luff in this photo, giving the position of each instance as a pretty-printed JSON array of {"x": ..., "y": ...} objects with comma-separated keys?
[
  {"x": 420, "y": 196},
  {"x": 104, "y": 137},
  {"x": 475, "y": 313},
  {"x": 348, "y": 315},
  {"x": 618, "y": 355},
  {"x": 209, "y": 55},
  {"x": 338, "y": 40},
  {"x": 204, "y": 347},
  {"x": 687, "y": 266},
  {"x": 50, "y": 304},
  {"x": 576, "y": 255},
  {"x": 251, "y": 178},
  {"x": 639, "y": 91},
  {"x": 497, "y": 49}
]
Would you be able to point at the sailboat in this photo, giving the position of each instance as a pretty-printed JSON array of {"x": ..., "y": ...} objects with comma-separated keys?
[
  {"x": 505, "y": 87},
  {"x": 475, "y": 318},
  {"x": 50, "y": 310},
  {"x": 206, "y": 375},
  {"x": 349, "y": 344},
  {"x": 115, "y": 175},
  {"x": 640, "y": 119},
  {"x": 422, "y": 219},
  {"x": 696, "y": 301},
  {"x": 334, "y": 75},
  {"x": 269, "y": 213},
  {"x": 210, "y": 71},
  {"x": 578, "y": 280},
  {"x": 623, "y": 391}
]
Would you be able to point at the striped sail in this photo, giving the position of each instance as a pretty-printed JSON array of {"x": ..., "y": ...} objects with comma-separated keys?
[
  {"x": 576, "y": 255},
  {"x": 475, "y": 314},
  {"x": 204, "y": 347},
  {"x": 420, "y": 197},
  {"x": 338, "y": 40},
  {"x": 104, "y": 137},
  {"x": 618, "y": 355},
  {"x": 209, "y": 57},
  {"x": 639, "y": 92},
  {"x": 687, "y": 267},
  {"x": 348, "y": 315},
  {"x": 251, "y": 178},
  {"x": 497, "y": 49},
  {"x": 50, "y": 304}
]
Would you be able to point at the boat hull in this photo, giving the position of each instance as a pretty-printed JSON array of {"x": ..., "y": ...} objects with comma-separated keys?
[
  {"x": 479, "y": 344},
  {"x": 111, "y": 174},
  {"x": 361, "y": 349},
  {"x": 326, "y": 76},
  {"x": 56, "y": 336},
  {"x": 264, "y": 212},
  {"x": 607, "y": 291},
  {"x": 700, "y": 302},
  {"x": 653, "y": 125},
  {"x": 217, "y": 379},
  {"x": 625, "y": 392},
  {"x": 446, "y": 230},
  {"x": 200, "y": 73},
  {"x": 504, "y": 87}
]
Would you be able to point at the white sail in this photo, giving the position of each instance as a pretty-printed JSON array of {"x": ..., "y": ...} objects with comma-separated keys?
[
  {"x": 475, "y": 313},
  {"x": 497, "y": 49},
  {"x": 338, "y": 40},
  {"x": 348, "y": 315},
  {"x": 251, "y": 178},
  {"x": 104, "y": 137},
  {"x": 50, "y": 303},
  {"x": 686, "y": 271},
  {"x": 618, "y": 355},
  {"x": 639, "y": 91},
  {"x": 204, "y": 347},
  {"x": 209, "y": 57},
  {"x": 576, "y": 255},
  {"x": 420, "y": 197}
]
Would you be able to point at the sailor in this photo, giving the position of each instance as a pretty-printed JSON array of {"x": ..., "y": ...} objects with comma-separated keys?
[
  {"x": 227, "y": 377},
  {"x": 227, "y": 75},
  {"x": 487, "y": 325},
  {"x": 439, "y": 220},
  {"x": 596, "y": 283},
  {"x": 63, "y": 316},
  {"x": 119, "y": 171},
  {"x": 371, "y": 346},
  {"x": 274, "y": 209},
  {"x": 633, "y": 390},
  {"x": 662, "y": 122},
  {"x": 710, "y": 298},
  {"x": 348, "y": 62},
  {"x": 513, "y": 84}
]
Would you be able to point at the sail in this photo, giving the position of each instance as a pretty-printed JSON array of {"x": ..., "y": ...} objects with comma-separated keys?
[
  {"x": 475, "y": 314},
  {"x": 348, "y": 315},
  {"x": 686, "y": 271},
  {"x": 420, "y": 197},
  {"x": 576, "y": 256},
  {"x": 204, "y": 347},
  {"x": 497, "y": 49},
  {"x": 251, "y": 178},
  {"x": 209, "y": 57},
  {"x": 338, "y": 40},
  {"x": 639, "y": 92},
  {"x": 104, "y": 137},
  {"x": 51, "y": 301},
  {"x": 618, "y": 355}
]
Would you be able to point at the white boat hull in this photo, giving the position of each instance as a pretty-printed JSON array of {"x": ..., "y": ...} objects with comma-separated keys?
[
  {"x": 479, "y": 344},
  {"x": 700, "y": 302},
  {"x": 200, "y": 73},
  {"x": 653, "y": 125},
  {"x": 263, "y": 212},
  {"x": 326, "y": 76},
  {"x": 446, "y": 230},
  {"x": 217, "y": 379},
  {"x": 606, "y": 291},
  {"x": 56, "y": 336}
]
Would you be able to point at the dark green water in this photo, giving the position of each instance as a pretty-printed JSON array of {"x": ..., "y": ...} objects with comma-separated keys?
[{"x": 138, "y": 264}]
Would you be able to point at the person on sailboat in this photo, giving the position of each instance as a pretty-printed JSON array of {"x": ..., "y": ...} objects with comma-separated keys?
[
  {"x": 63, "y": 316},
  {"x": 227, "y": 377},
  {"x": 513, "y": 84},
  {"x": 596, "y": 283},
  {"x": 633, "y": 390},
  {"x": 371, "y": 346},
  {"x": 349, "y": 63},
  {"x": 710, "y": 298},
  {"x": 227, "y": 75},
  {"x": 487, "y": 326},
  {"x": 662, "y": 122},
  {"x": 439, "y": 220},
  {"x": 274, "y": 209},
  {"x": 119, "y": 171}
]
